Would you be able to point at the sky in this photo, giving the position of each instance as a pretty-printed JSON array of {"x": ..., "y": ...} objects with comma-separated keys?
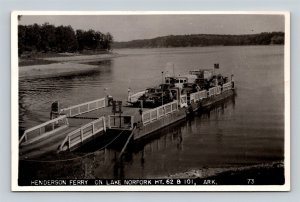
[{"x": 131, "y": 27}]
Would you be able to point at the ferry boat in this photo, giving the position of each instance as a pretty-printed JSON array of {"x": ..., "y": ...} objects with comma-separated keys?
[
  {"x": 180, "y": 96},
  {"x": 141, "y": 114},
  {"x": 199, "y": 89}
]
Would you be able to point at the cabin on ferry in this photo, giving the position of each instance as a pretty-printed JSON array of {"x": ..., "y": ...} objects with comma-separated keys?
[{"x": 178, "y": 81}]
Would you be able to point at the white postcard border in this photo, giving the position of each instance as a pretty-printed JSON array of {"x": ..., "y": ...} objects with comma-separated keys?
[{"x": 110, "y": 188}]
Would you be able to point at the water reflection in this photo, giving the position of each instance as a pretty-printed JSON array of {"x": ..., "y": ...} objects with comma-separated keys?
[
  {"x": 104, "y": 163},
  {"x": 37, "y": 94},
  {"x": 248, "y": 129},
  {"x": 170, "y": 138},
  {"x": 219, "y": 110}
]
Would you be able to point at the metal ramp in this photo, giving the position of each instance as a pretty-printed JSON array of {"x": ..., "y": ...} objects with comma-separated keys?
[
  {"x": 64, "y": 132},
  {"x": 77, "y": 137}
]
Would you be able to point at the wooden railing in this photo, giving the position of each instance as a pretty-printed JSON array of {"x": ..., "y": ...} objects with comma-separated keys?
[
  {"x": 83, "y": 108},
  {"x": 40, "y": 131},
  {"x": 198, "y": 95},
  {"x": 134, "y": 97},
  {"x": 158, "y": 112},
  {"x": 81, "y": 134}
]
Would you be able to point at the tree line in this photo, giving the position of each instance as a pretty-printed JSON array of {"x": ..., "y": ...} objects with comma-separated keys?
[
  {"x": 49, "y": 38},
  {"x": 265, "y": 38}
]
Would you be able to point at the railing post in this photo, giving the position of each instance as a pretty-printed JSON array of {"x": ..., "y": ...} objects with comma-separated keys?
[
  {"x": 104, "y": 124},
  {"x": 66, "y": 121},
  {"x": 69, "y": 142},
  {"x": 81, "y": 135}
]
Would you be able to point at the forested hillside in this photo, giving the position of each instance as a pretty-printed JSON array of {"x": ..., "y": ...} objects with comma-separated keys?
[
  {"x": 265, "y": 38},
  {"x": 49, "y": 38}
]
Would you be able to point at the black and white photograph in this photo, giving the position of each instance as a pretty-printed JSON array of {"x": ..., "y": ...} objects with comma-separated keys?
[{"x": 150, "y": 101}]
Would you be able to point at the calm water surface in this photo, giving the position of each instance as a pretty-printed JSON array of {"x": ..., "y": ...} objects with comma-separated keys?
[{"x": 248, "y": 129}]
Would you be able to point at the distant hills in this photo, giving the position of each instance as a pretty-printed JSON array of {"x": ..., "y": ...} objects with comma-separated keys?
[{"x": 194, "y": 40}]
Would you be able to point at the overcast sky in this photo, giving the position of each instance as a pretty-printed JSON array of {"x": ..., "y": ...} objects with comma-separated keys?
[{"x": 130, "y": 27}]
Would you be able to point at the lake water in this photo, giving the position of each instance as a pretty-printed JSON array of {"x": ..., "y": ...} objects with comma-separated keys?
[{"x": 246, "y": 130}]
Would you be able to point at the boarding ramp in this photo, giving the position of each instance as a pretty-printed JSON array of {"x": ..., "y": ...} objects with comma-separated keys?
[
  {"x": 43, "y": 130},
  {"x": 83, "y": 108},
  {"x": 78, "y": 136},
  {"x": 159, "y": 112}
]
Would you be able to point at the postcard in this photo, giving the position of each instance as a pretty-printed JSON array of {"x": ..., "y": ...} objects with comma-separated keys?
[{"x": 150, "y": 101}]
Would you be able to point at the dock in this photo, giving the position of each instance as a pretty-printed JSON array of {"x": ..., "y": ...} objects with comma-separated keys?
[
  {"x": 75, "y": 126},
  {"x": 70, "y": 128}
]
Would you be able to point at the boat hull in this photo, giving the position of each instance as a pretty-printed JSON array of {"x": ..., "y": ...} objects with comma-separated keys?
[
  {"x": 172, "y": 118},
  {"x": 210, "y": 101},
  {"x": 167, "y": 120}
]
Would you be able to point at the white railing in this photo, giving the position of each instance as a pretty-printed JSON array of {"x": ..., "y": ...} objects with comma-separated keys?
[
  {"x": 198, "y": 95},
  {"x": 134, "y": 97},
  {"x": 83, "y": 108},
  {"x": 158, "y": 112},
  {"x": 214, "y": 91},
  {"x": 183, "y": 100},
  {"x": 84, "y": 132},
  {"x": 35, "y": 133},
  {"x": 227, "y": 86}
]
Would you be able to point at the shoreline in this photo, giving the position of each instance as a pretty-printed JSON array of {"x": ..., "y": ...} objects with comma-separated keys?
[
  {"x": 262, "y": 174},
  {"x": 61, "y": 65},
  {"x": 45, "y": 59}
]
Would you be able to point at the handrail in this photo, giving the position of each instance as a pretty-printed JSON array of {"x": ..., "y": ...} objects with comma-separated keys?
[
  {"x": 79, "y": 135},
  {"x": 39, "y": 127},
  {"x": 214, "y": 91},
  {"x": 154, "y": 114},
  {"x": 227, "y": 86},
  {"x": 134, "y": 97},
  {"x": 198, "y": 95},
  {"x": 83, "y": 108}
]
